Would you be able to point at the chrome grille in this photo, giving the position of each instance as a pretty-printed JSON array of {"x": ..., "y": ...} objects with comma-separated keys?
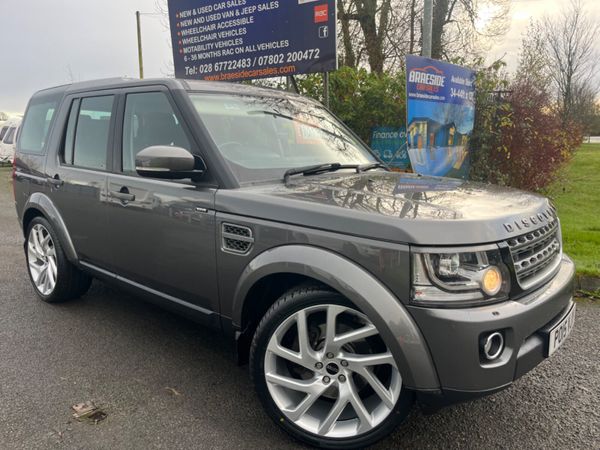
[{"x": 536, "y": 254}]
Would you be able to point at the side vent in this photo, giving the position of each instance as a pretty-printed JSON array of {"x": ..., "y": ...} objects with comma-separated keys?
[{"x": 236, "y": 239}]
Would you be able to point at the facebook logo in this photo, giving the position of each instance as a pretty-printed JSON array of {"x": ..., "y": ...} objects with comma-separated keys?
[{"x": 323, "y": 32}]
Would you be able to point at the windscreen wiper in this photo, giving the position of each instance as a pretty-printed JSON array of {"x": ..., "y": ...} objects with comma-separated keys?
[
  {"x": 331, "y": 167},
  {"x": 371, "y": 166},
  {"x": 318, "y": 168},
  {"x": 271, "y": 113}
]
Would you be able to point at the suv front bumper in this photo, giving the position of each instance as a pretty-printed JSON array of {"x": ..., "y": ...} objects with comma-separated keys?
[{"x": 453, "y": 337}]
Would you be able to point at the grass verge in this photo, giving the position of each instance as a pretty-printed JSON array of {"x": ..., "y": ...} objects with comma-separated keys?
[{"x": 577, "y": 199}]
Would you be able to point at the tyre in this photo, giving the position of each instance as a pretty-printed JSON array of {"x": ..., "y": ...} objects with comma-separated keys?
[
  {"x": 324, "y": 374},
  {"x": 53, "y": 277}
]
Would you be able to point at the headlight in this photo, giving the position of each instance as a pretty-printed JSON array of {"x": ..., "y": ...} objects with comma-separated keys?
[{"x": 458, "y": 277}]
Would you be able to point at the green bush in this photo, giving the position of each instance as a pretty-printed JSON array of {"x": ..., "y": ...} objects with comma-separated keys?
[
  {"x": 518, "y": 140},
  {"x": 361, "y": 99}
]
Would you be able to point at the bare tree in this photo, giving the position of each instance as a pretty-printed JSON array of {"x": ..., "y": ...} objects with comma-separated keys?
[
  {"x": 377, "y": 34},
  {"x": 571, "y": 51},
  {"x": 585, "y": 105},
  {"x": 373, "y": 18},
  {"x": 534, "y": 67},
  {"x": 349, "y": 54},
  {"x": 383, "y": 31},
  {"x": 161, "y": 8},
  {"x": 412, "y": 23},
  {"x": 460, "y": 26}
]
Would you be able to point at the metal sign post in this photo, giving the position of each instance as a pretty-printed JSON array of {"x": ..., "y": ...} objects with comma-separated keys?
[
  {"x": 139, "y": 42},
  {"x": 326, "y": 89},
  {"x": 427, "y": 28}
]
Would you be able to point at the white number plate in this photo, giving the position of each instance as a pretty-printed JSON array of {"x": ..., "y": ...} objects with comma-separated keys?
[{"x": 558, "y": 334}]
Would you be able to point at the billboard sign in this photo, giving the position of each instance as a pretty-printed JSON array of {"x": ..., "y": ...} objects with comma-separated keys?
[
  {"x": 247, "y": 39},
  {"x": 389, "y": 143},
  {"x": 440, "y": 116}
]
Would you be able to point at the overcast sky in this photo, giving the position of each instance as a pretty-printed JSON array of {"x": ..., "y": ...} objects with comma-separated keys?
[
  {"x": 49, "y": 42},
  {"x": 42, "y": 41},
  {"x": 522, "y": 12}
]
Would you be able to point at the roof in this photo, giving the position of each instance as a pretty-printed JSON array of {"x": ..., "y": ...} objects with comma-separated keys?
[{"x": 172, "y": 83}]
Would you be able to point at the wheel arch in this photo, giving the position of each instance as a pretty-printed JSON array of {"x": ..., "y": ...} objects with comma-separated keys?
[
  {"x": 40, "y": 204},
  {"x": 316, "y": 265}
]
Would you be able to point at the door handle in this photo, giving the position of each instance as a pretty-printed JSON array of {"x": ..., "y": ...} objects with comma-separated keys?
[
  {"x": 122, "y": 195},
  {"x": 55, "y": 181}
]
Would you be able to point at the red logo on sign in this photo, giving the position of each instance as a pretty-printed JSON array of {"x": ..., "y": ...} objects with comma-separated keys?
[{"x": 321, "y": 13}]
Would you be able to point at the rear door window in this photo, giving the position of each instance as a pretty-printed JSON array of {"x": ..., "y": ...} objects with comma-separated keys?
[{"x": 88, "y": 132}]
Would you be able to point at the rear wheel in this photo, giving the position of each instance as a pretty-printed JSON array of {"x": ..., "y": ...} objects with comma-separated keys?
[
  {"x": 323, "y": 372},
  {"x": 54, "y": 278}
]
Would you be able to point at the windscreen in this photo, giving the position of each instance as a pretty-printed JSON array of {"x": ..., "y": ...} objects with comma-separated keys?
[{"x": 262, "y": 137}]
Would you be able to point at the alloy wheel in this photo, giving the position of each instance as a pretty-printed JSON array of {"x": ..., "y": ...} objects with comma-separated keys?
[
  {"x": 330, "y": 373},
  {"x": 41, "y": 257}
]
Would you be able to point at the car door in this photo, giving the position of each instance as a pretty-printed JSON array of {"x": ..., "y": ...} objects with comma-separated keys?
[
  {"x": 77, "y": 173},
  {"x": 162, "y": 232}
]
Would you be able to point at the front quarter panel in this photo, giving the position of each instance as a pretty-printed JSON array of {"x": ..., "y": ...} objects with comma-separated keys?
[{"x": 387, "y": 313}]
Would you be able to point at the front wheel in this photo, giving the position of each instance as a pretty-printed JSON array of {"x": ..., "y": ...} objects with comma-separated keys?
[{"x": 323, "y": 372}]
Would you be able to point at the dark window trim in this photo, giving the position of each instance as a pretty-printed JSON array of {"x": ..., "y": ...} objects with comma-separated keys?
[{"x": 75, "y": 103}]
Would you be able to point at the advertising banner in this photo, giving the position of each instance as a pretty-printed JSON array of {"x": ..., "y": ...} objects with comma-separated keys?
[
  {"x": 389, "y": 143},
  {"x": 440, "y": 116},
  {"x": 247, "y": 39}
]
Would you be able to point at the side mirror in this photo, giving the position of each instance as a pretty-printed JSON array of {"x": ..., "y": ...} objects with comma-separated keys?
[{"x": 164, "y": 161}]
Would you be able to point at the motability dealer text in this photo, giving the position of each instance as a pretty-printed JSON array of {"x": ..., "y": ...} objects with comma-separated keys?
[{"x": 250, "y": 38}]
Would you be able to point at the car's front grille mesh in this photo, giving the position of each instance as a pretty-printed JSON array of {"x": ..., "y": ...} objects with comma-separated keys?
[
  {"x": 535, "y": 253},
  {"x": 236, "y": 238}
]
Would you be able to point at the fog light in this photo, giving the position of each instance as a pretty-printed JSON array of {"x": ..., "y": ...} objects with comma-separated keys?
[
  {"x": 493, "y": 345},
  {"x": 491, "y": 281}
]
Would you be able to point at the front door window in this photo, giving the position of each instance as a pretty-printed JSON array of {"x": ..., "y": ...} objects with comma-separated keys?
[{"x": 149, "y": 120}]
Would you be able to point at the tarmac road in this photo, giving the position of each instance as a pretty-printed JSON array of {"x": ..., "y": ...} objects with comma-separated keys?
[{"x": 167, "y": 383}]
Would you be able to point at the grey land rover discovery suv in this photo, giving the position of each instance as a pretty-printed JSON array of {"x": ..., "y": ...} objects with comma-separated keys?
[{"x": 351, "y": 290}]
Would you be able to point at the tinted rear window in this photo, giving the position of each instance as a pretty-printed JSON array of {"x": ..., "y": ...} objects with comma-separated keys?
[{"x": 36, "y": 125}]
